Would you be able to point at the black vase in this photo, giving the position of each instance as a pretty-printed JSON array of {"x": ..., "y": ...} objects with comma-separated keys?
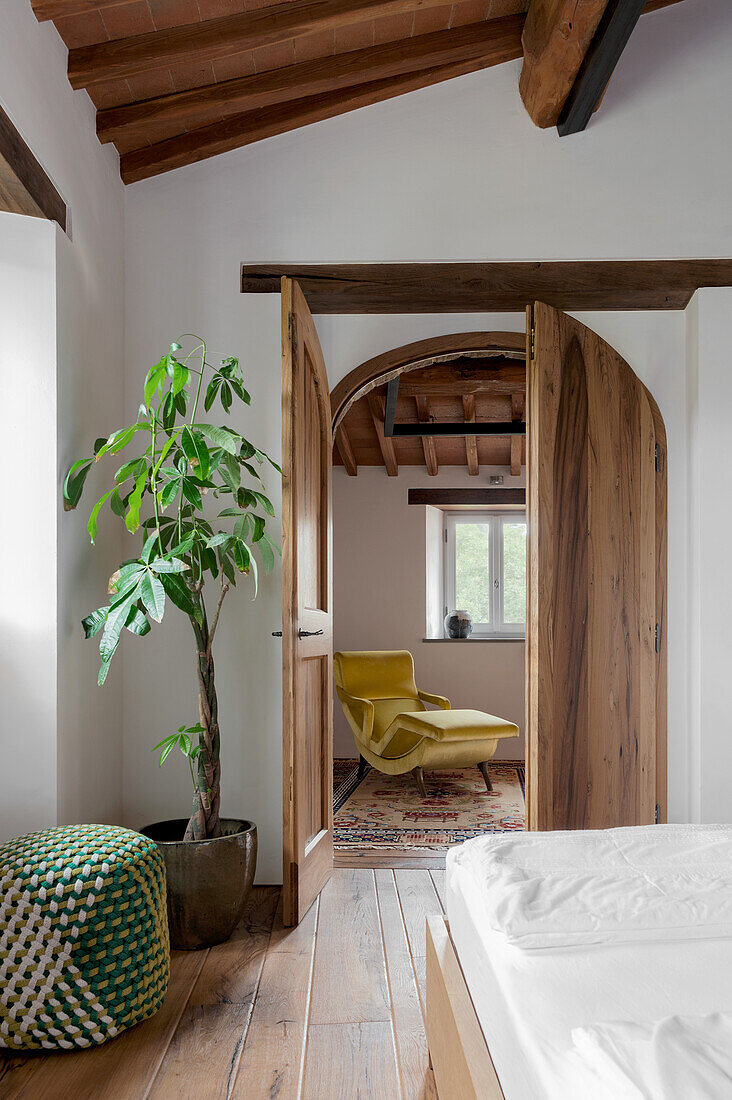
[{"x": 458, "y": 624}]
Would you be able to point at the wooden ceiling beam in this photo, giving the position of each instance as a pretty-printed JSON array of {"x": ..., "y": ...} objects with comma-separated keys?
[
  {"x": 518, "y": 406},
  {"x": 58, "y": 9},
  {"x": 493, "y": 42},
  {"x": 557, "y": 37},
  {"x": 428, "y": 445},
  {"x": 471, "y": 443},
  {"x": 253, "y": 126},
  {"x": 386, "y": 446},
  {"x": 25, "y": 187},
  {"x": 492, "y": 287},
  {"x": 345, "y": 450},
  {"x": 212, "y": 39},
  {"x": 454, "y": 379}
]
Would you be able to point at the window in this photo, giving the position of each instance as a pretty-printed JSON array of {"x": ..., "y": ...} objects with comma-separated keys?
[{"x": 485, "y": 570}]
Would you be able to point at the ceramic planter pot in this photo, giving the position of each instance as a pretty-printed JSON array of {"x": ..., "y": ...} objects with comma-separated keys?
[{"x": 208, "y": 880}]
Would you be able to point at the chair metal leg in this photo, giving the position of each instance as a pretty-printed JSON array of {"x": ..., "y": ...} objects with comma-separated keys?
[
  {"x": 419, "y": 776},
  {"x": 362, "y": 767},
  {"x": 484, "y": 772}
]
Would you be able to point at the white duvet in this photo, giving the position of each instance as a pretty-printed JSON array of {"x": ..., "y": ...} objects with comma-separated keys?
[
  {"x": 656, "y": 882},
  {"x": 679, "y": 1058}
]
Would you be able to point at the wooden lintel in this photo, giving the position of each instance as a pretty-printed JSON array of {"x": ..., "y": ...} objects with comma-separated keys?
[
  {"x": 213, "y": 39},
  {"x": 25, "y": 187},
  {"x": 428, "y": 445},
  {"x": 611, "y": 37},
  {"x": 471, "y": 443},
  {"x": 460, "y": 377},
  {"x": 386, "y": 446},
  {"x": 482, "y": 495},
  {"x": 492, "y": 287},
  {"x": 345, "y": 450},
  {"x": 493, "y": 42}
]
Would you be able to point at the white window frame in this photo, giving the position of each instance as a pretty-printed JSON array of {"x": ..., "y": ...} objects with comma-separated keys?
[{"x": 498, "y": 629}]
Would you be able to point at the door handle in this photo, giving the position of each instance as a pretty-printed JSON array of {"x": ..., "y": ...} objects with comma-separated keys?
[
  {"x": 308, "y": 633},
  {"x": 276, "y": 633}
]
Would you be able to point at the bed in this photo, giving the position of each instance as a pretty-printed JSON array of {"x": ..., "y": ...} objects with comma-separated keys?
[{"x": 507, "y": 1013}]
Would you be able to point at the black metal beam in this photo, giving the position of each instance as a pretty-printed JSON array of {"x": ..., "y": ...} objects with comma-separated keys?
[
  {"x": 611, "y": 37},
  {"x": 442, "y": 428}
]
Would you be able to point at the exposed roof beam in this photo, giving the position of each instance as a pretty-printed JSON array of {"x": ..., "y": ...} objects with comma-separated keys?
[
  {"x": 616, "y": 26},
  {"x": 428, "y": 445},
  {"x": 518, "y": 405},
  {"x": 212, "y": 39},
  {"x": 57, "y": 9},
  {"x": 241, "y": 130},
  {"x": 345, "y": 450},
  {"x": 25, "y": 187},
  {"x": 386, "y": 446},
  {"x": 492, "y": 287},
  {"x": 556, "y": 39},
  {"x": 493, "y": 42},
  {"x": 454, "y": 379},
  {"x": 471, "y": 443}
]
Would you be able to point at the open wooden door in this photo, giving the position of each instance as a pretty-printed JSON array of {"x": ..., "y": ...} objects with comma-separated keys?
[
  {"x": 596, "y": 631},
  {"x": 307, "y": 635}
]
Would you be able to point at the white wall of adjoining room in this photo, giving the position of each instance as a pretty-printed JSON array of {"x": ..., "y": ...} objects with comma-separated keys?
[
  {"x": 380, "y": 546},
  {"x": 58, "y": 124},
  {"x": 709, "y": 590}
]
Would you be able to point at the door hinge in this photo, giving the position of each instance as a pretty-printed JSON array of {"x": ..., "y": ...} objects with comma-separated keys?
[
  {"x": 658, "y": 814},
  {"x": 658, "y": 638},
  {"x": 532, "y": 342},
  {"x": 444, "y": 535},
  {"x": 658, "y": 459}
]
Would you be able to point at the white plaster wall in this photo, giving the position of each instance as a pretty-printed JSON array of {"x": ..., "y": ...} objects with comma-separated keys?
[
  {"x": 458, "y": 172},
  {"x": 58, "y": 125},
  {"x": 28, "y": 789},
  {"x": 379, "y": 590},
  {"x": 710, "y": 590}
]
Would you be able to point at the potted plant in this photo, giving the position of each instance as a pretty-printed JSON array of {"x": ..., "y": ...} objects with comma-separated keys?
[{"x": 169, "y": 495}]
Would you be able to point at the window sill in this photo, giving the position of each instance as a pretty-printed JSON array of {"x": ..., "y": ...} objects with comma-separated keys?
[{"x": 492, "y": 638}]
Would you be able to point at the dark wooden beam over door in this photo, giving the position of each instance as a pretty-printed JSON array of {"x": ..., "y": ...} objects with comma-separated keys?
[
  {"x": 480, "y": 496},
  {"x": 25, "y": 188},
  {"x": 492, "y": 287},
  {"x": 610, "y": 39}
]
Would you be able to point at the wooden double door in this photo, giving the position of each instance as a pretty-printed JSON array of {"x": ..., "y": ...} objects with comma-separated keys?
[{"x": 596, "y": 591}]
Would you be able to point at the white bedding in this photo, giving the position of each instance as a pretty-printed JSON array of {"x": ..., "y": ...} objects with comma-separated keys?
[
  {"x": 679, "y": 1058},
  {"x": 606, "y": 886},
  {"x": 529, "y": 1002}
]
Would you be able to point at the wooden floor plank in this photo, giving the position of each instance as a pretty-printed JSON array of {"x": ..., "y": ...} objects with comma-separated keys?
[
  {"x": 203, "y": 1057},
  {"x": 349, "y": 974},
  {"x": 119, "y": 1070},
  {"x": 419, "y": 900},
  {"x": 272, "y": 1059},
  {"x": 409, "y": 1032},
  {"x": 350, "y": 1062},
  {"x": 438, "y": 881},
  {"x": 388, "y": 857}
]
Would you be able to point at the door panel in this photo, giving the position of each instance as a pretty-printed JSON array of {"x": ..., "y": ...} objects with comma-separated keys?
[
  {"x": 597, "y": 518},
  {"x": 307, "y": 635}
]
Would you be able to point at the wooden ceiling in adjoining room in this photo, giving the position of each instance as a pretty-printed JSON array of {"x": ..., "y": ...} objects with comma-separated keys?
[
  {"x": 468, "y": 388},
  {"x": 176, "y": 81}
]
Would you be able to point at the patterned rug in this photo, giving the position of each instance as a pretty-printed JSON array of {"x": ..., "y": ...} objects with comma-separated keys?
[{"x": 387, "y": 811}]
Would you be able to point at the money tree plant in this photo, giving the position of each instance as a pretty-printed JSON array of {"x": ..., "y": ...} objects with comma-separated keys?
[{"x": 169, "y": 496}]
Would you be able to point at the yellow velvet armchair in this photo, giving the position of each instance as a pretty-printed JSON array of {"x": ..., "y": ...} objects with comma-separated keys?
[{"x": 394, "y": 730}]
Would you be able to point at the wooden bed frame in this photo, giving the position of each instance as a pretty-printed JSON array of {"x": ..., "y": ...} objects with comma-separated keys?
[{"x": 459, "y": 1054}]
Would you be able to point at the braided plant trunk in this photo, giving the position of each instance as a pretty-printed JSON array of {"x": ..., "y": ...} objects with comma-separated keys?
[{"x": 204, "y": 822}]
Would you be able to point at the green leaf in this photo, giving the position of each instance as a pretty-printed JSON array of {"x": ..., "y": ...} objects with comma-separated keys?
[
  {"x": 116, "y": 618},
  {"x": 230, "y": 512},
  {"x": 118, "y": 504},
  {"x": 132, "y": 519},
  {"x": 169, "y": 492},
  {"x": 179, "y": 594},
  {"x": 137, "y": 623},
  {"x": 180, "y": 377},
  {"x": 265, "y": 502},
  {"x": 168, "y": 411},
  {"x": 267, "y": 555},
  {"x": 94, "y": 621},
  {"x": 74, "y": 482},
  {"x": 125, "y": 578},
  {"x": 228, "y": 440},
  {"x": 242, "y": 557},
  {"x": 182, "y": 548},
  {"x": 152, "y": 594},
  {"x": 94, "y": 517},
  {"x": 230, "y": 471},
  {"x": 191, "y": 492},
  {"x": 258, "y": 528},
  {"x": 196, "y": 452},
  {"x": 226, "y": 395},
  {"x": 154, "y": 380},
  {"x": 218, "y": 539},
  {"x": 168, "y": 565},
  {"x": 164, "y": 454},
  {"x": 211, "y": 391}
]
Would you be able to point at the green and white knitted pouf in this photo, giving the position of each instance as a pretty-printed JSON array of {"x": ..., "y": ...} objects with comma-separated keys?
[{"x": 84, "y": 948}]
